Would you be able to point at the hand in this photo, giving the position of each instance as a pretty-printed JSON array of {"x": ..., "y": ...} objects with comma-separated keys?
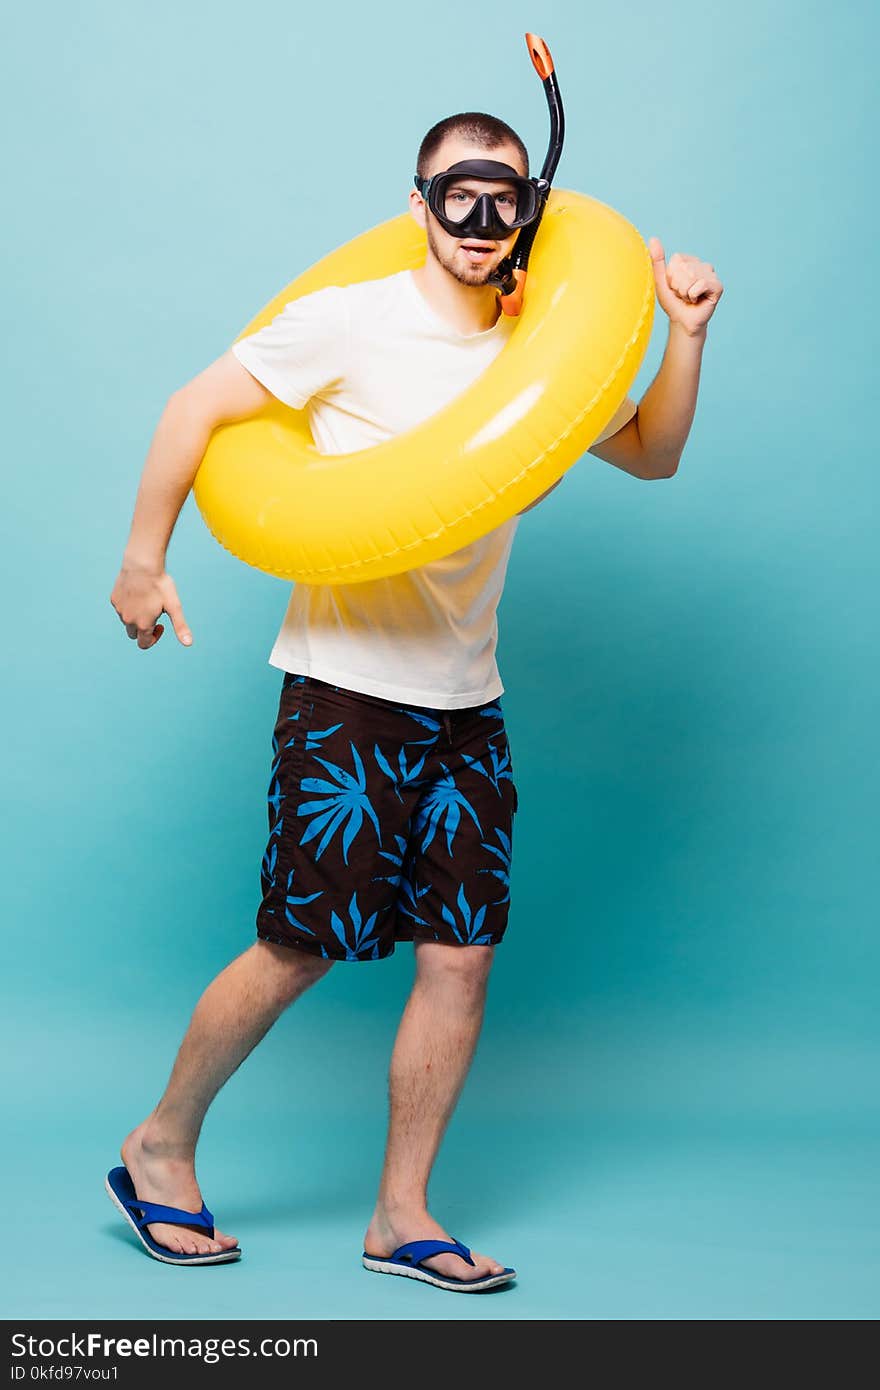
[
  {"x": 140, "y": 596},
  {"x": 688, "y": 289}
]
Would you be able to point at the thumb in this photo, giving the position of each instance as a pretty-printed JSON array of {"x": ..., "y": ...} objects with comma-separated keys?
[{"x": 658, "y": 258}]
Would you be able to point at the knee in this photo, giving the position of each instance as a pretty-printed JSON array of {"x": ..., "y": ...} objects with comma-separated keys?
[
  {"x": 463, "y": 968},
  {"x": 290, "y": 970}
]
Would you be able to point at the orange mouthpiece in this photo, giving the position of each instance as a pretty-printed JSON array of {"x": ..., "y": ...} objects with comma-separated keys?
[{"x": 511, "y": 304}]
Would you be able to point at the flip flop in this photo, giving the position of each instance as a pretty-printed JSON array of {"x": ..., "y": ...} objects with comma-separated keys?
[
  {"x": 120, "y": 1190},
  {"x": 409, "y": 1260}
]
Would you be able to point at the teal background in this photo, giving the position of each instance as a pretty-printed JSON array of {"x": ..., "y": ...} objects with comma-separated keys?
[{"x": 672, "y": 1113}]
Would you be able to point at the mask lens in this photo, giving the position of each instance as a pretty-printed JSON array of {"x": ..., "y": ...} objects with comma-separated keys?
[
  {"x": 458, "y": 203},
  {"x": 512, "y": 205},
  {"x": 507, "y": 205}
]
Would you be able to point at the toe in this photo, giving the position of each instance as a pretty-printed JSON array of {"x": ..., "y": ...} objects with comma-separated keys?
[
  {"x": 168, "y": 1237},
  {"x": 454, "y": 1268},
  {"x": 485, "y": 1267},
  {"x": 181, "y": 1241},
  {"x": 205, "y": 1245}
]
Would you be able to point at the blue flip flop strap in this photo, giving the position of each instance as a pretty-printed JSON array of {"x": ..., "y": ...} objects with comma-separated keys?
[
  {"x": 172, "y": 1216},
  {"x": 418, "y": 1250}
]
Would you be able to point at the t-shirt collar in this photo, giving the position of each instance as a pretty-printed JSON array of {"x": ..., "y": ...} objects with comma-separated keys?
[{"x": 431, "y": 315}]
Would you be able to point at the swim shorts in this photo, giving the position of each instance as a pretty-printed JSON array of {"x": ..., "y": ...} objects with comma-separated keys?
[{"x": 387, "y": 823}]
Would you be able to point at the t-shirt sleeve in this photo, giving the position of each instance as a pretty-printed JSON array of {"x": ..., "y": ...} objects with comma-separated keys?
[
  {"x": 621, "y": 417},
  {"x": 304, "y": 349}
]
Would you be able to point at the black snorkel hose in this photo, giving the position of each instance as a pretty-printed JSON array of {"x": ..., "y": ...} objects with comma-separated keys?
[{"x": 509, "y": 276}]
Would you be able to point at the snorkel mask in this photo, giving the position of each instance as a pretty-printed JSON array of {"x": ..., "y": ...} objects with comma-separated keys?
[
  {"x": 468, "y": 214},
  {"x": 463, "y": 212}
]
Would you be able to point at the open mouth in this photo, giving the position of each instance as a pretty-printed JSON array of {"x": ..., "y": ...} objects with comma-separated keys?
[{"x": 477, "y": 251}]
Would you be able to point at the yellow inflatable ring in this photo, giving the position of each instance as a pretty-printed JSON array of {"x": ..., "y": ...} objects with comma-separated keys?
[{"x": 272, "y": 499}]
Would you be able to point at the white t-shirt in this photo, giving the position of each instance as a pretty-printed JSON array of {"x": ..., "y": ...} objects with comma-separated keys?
[{"x": 371, "y": 360}]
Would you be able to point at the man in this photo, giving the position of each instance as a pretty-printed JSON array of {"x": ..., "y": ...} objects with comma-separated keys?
[{"x": 391, "y": 796}]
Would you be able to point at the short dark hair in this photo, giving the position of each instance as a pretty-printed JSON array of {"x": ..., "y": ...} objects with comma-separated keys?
[{"x": 476, "y": 126}]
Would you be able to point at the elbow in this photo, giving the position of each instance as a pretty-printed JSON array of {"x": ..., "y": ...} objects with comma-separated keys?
[{"x": 654, "y": 469}]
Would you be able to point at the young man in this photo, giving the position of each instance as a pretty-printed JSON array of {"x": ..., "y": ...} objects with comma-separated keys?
[{"x": 391, "y": 796}]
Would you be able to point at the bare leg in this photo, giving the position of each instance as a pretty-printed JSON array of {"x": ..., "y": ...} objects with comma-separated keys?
[
  {"x": 236, "y": 1010},
  {"x": 432, "y": 1053}
]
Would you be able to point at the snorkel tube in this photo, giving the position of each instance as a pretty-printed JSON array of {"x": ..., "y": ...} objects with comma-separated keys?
[{"x": 509, "y": 276}]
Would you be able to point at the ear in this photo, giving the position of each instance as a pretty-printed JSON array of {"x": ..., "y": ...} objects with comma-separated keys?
[{"x": 417, "y": 208}]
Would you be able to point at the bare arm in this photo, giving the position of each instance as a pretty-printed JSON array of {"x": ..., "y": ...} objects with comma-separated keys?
[
  {"x": 223, "y": 392},
  {"x": 624, "y": 449},
  {"x": 666, "y": 411}
]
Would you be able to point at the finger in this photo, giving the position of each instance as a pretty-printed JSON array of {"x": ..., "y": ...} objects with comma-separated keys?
[
  {"x": 149, "y": 636},
  {"x": 174, "y": 609},
  {"x": 134, "y": 628},
  {"x": 696, "y": 289},
  {"x": 143, "y": 635},
  {"x": 680, "y": 284}
]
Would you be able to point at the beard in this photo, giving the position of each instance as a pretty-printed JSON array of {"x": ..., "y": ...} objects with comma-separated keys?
[{"x": 466, "y": 272}]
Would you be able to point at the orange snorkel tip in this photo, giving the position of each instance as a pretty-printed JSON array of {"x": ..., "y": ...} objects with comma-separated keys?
[{"x": 540, "y": 56}]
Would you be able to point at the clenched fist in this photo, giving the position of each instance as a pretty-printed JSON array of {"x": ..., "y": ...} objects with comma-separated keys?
[{"x": 688, "y": 289}]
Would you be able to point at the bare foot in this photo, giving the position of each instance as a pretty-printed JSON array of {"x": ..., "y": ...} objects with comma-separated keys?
[
  {"x": 389, "y": 1229},
  {"x": 160, "y": 1176}
]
